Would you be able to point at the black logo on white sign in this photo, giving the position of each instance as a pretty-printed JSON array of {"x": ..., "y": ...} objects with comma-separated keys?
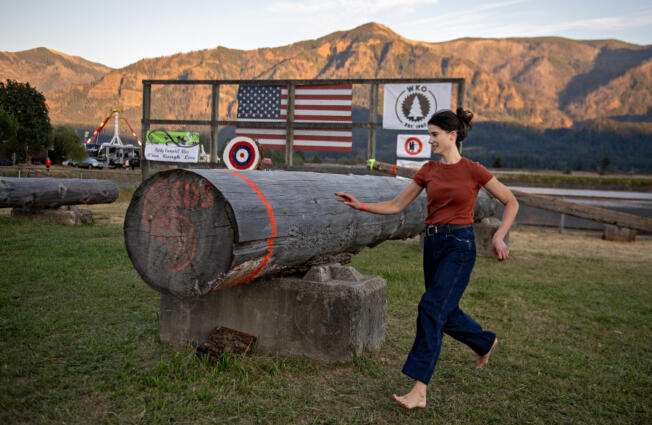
[{"x": 415, "y": 105}]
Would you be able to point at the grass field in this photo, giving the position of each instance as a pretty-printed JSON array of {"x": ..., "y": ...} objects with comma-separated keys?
[{"x": 79, "y": 342}]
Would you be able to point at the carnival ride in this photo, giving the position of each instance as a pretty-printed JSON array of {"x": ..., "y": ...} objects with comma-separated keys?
[{"x": 116, "y": 153}]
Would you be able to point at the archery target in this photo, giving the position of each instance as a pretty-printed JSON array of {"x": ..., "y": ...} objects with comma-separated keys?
[{"x": 242, "y": 153}]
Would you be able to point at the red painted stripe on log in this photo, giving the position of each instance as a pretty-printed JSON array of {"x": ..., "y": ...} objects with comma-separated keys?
[{"x": 272, "y": 221}]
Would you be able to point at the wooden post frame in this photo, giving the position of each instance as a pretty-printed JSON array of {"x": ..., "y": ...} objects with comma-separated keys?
[
  {"x": 289, "y": 128},
  {"x": 145, "y": 123},
  {"x": 373, "y": 112},
  {"x": 289, "y": 125},
  {"x": 215, "y": 112}
]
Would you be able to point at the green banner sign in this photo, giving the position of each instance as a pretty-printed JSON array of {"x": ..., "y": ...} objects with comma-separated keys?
[{"x": 178, "y": 138}]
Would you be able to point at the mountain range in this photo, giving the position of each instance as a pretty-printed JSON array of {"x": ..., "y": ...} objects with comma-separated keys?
[{"x": 544, "y": 82}]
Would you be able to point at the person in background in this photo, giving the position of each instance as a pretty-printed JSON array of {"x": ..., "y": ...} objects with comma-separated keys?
[
  {"x": 48, "y": 163},
  {"x": 452, "y": 186}
]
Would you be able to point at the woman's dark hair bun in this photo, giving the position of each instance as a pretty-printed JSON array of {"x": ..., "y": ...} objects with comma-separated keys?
[
  {"x": 465, "y": 116},
  {"x": 459, "y": 121}
]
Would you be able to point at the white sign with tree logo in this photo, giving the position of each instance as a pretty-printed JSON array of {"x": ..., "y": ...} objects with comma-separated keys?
[{"x": 410, "y": 106}]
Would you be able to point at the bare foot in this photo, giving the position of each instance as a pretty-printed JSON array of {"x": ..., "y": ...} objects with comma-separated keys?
[
  {"x": 415, "y": 398},
  {"x": 482, "y": 361}
]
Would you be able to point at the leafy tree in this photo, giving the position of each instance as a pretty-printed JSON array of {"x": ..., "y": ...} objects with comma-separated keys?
[
  {"x": 67, "y": 144},
  {"x": 27, "y": 106},
  {"x": 498, "y": 163},
  {"x": 316, "y": 159}
]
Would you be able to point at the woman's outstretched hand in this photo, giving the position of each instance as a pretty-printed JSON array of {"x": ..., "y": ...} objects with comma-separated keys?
[
  {"x": 349, "y": 200},
  {"x": 500, "y": 248}
]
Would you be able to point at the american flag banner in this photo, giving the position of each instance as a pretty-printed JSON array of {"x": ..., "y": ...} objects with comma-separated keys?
[{"x": 312, "y": 104}]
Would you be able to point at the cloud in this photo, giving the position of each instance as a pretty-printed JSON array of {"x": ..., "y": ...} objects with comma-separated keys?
[
  {"x": 599, "y": 26},
  {"x": 612, "y": 22},
  {"x": 465, "y": 15},
  {"x": 344, "y": 7},
  {"x": 514, "y": 18}
]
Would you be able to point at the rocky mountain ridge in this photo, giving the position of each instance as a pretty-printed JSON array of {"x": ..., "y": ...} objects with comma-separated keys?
[
  {"x": 49, "y": 70},
  {"x": 546, "y": 82}
]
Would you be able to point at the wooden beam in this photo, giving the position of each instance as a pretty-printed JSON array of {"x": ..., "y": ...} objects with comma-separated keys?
[
  {"x": 601, "y": 215},
  {"x": 549, "y": 203},
  {"x": 289, "y": 129},
  {"x": 373, "y": 110},
  {"x": 145, "y": 123},
  {"x": 215, "y": 116}
]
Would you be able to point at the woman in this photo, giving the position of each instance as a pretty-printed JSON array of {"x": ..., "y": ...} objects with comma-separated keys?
[{"x": 452, "y": 186}]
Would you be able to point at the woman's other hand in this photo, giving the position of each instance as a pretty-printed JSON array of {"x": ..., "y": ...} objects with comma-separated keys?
[
  {"x": 499, "y": 247},
  {"x": 349, "y": 200}
]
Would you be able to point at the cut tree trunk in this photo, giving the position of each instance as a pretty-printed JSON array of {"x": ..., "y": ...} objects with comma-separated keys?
[{"x": 189, "y": 232}]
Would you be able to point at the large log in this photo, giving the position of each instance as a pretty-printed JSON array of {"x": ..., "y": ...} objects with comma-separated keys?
[
  {"x": 574, "y": 209},
  {"x": 53, "y": 193},
  {"x": 189, "y": 232}
]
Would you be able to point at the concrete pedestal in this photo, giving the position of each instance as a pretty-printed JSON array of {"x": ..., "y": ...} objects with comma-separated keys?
[
  {"x": 620, "y": 234},
  {"x": 329, "y": 314},
  {"x": 67, "y": 214}
]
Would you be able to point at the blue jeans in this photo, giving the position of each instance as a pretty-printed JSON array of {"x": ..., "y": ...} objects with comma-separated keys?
[{"x": 448, "y": 260}]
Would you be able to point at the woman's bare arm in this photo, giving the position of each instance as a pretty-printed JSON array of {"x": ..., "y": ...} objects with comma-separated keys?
[
  {"x": 394, "y": 206},
  {"x": 504, "y": 195}
]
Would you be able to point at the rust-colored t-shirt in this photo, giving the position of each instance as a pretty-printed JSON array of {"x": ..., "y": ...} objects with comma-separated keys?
[{"x": 452, "y": 189}]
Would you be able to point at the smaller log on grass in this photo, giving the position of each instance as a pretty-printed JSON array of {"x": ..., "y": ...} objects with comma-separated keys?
[{"x": 53, "y": 193}]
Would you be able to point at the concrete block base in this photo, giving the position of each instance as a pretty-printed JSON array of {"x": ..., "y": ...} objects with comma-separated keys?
[
  {"x": 329, "y": 314},
  {"x": 620, "y": 234},
  {"x": 484, "y": 232},
  {"x": 67, "y": 214}
]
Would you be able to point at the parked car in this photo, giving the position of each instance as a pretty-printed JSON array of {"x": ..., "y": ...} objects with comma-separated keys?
[
  {"x": 70, "y": 163},
  {"x": 6, "y": 162},
  {"x": 91, "y": 163}
]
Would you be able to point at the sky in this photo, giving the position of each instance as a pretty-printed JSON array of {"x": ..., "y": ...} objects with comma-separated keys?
[{"x": 117, "y": 33}]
